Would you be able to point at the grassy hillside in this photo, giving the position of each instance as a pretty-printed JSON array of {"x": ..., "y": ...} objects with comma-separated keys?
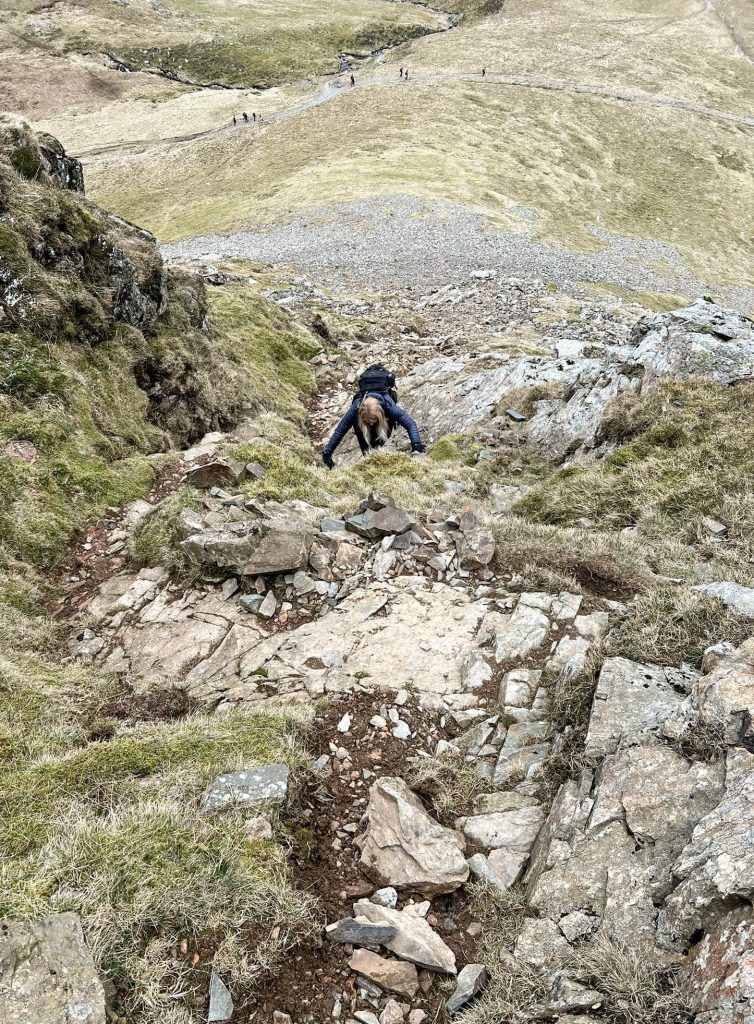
[
  {"x": 585, "y": 129},
  {"x": 203, "y": 42},
  {"x": 104, "y": 360}
]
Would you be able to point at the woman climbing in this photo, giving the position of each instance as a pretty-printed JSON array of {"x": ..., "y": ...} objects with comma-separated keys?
[{"x": 373, "y": 415}]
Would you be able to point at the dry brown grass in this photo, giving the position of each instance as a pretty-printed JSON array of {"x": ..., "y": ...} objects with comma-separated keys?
[
  {"x": 637, "y": 991},
  {"x": 450, "y": 782}
]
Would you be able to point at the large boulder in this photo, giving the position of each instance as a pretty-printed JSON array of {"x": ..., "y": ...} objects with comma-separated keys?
[
  {"x": 406, "y": 848},
  {"x": 47, "y": 975},
  {"x": 250, "y": 548}
]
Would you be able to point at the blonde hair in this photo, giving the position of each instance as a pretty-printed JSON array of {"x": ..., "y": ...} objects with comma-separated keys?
[{"x": 373, "y": 422}]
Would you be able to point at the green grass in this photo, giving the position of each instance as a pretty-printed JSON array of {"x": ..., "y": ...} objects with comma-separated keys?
[
  {"x": 112, "y": 828},
  {"x": 686, "y": 454},
  {"x": 183, "y": 757},
  {"x": 294, "y": 471},
  {"x": 217, "y": 42}
]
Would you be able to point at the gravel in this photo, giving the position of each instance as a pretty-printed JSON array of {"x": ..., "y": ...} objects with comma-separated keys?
[{"x": 403, "y": 241}]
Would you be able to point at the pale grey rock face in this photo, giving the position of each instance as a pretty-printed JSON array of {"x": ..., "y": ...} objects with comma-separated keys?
[
  {"x": 717, "y": 865},
  {"x": 414, "y": 939},
  {"x": 471, "y": 981},
  {"x": 47, "y": 975},
  {"x": 404, "y": 847},
  {"x": 251, "y": 786},
  {"x": 518, "y": 687},
  {"x": 520, "y": 636},
  {"x": 220, "y": 1000},
  {"x": 734, "y": 596},
  {"x": 630, "y": 703},
  {"x": 718, "y": 974},
  {"x": 449, "y": 394},
  {"x": 540, "y": 942},
  {"x": 659, "y": 795},
  {"x": 424, "y": 635},
  {"x": 702, "y": 340},
  {"x": 429, "y": 634}
]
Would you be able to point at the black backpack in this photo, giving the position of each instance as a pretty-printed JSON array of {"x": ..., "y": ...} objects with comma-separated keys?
[{"x": 377, "y": 380}]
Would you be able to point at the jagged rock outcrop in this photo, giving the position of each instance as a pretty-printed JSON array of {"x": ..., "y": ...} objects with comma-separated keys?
[{"x": 573, "y": 386}]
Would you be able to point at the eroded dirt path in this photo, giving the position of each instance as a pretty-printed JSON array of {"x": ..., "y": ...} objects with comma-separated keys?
[{"x": 332, "y": 90}]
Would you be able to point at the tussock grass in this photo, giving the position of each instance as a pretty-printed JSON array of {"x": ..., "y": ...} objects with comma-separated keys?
[
  {"x": 179, "y": 758},
  {"x": 609, "y": 565},
  {"x": 153, "y": 539},
  {"x": 684, "y": 452},
  {"x": 450, "y": 781},
  {"x": 144, "y": 878},
  {"x": 671, "y": 625},
  {"x": 113, "y": 831},
  {"x": 637, "y": 990}
]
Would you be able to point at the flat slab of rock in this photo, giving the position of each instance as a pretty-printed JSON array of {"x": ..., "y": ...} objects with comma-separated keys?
[
  {"x": 392, "y": 975},
  {"x": 47, "y": 974},
  {"x": 360, "y": 932},
  {"x": 513, "y": 830},
  {"x": 471, "y": 981},
  {"x": 251, "y": 786},
  {"x": 525, "y": 632},
  {"x": 414, "y": 940},
  {"x": 406, "y": 848},
  {"x": 631, "y": 701}
]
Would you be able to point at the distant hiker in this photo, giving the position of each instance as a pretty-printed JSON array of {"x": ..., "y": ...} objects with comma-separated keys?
[
  {"x": 234, "y": 121},
  {"x": 246, "y": 117},
  {"x": 405, "y": 74},
  {"x": 373, "y": 415},
  {"x": 484, "y": 72},
  {"x": 401, "y": 74},
  {"x": 254, "y": 116},
  {"x": 353, "y": 80}
]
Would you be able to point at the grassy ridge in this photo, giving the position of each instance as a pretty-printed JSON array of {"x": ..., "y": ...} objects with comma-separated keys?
[{"x": 105, "y": 361}]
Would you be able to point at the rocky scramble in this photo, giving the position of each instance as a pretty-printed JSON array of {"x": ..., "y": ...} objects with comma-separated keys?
[
  {"x": 430, "y": 654},
  {"x": 505, "y": 809}
]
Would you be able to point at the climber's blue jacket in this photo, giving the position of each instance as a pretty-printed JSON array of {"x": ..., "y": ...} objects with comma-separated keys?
[{"x": 393, "y": 413}]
